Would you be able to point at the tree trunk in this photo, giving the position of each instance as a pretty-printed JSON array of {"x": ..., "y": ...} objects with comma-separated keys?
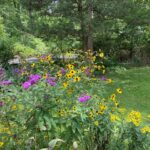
[
  {"x": 30, "y": 16},
  {"x": 82, "y": 24},
  {"x": 90, "y": 28},
  {"x": 86, "y": 27}
]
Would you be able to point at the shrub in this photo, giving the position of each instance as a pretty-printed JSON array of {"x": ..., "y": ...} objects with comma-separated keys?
[{"x": 5, "y": 45}]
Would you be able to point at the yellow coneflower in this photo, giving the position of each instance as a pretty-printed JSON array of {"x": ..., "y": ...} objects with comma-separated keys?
[
  {"x": 134, "y": 117},
  {"x": 101, "y": 55},
  {"x": 59, "y": 75},
  {"x": 74, "y": 108},
  {"x": 91, "y": 115},
  {"x": 69, "y": 66},
  {"x": 99, "y": 67},
  {"x": 14, "y": 107},
  {"x": 72, "y": 72},
  {"x": 77, "y": 79},
  {"x": 96, "y": 123},
  {"x": 113, "y": 118},
  {"x": 145, "y": 129},
  {"x": 32, "y": 65},
  {"x": 113, "y": 97},
  {"x": 1, "y": 144},
  {"x": 65, "y": 84},
  {"x": 45, "y": 76},
  {"x": 109, "y": 81},
  {"x": 119, "y": 91},
  {"x": 68, "y": 75}
]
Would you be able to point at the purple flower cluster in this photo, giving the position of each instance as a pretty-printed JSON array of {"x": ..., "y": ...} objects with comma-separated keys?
[
  {"x": 51, "y": 81},
  {"x": 87, "y": 71},
  {"x": 17, "y": 71},
  {"x": 1, "y": 103},
  {"x": 63, "y": 71},
  {"x": 84, "y": 98},
  {"x": 33, "y": 79},
  {"x": 103, "y": 78},
  {"x": 5, "y": 82}
]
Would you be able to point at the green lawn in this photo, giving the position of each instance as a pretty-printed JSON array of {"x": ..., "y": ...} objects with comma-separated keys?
[{"x": 135, "y": 83}]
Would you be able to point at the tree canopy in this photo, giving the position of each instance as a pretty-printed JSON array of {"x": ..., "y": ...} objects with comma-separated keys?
[{"x": 62, "y": 25}]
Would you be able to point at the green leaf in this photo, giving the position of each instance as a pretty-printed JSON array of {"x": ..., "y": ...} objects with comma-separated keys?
[{"x": 53, "y": 143}]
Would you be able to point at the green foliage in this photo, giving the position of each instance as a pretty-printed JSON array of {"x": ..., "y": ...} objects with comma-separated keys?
[
  {"x": 5, "y": 45},
  {"x": 29, "y": 45},
  {"x": 50, "y": 112}
]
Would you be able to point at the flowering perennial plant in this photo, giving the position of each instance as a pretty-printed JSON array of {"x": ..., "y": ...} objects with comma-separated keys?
[{"x": 32, "y": 116}]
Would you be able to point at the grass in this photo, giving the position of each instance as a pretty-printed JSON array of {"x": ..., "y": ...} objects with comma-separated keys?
[{"x": 135, "y": 83}]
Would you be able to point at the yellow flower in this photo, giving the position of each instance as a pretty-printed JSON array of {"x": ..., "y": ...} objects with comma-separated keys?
[
  {"x": 65, "y": 84},
  {"x": 83, "y": 68},
  {"x": 96, "y": 123},
  {"x": 45, "y": 76},
  {"x": 59, "y": 74},
  {"x": 113, "y": 118},
  {"x": 134, "y": 117},
  {"x": 101, "y": 54},
  {"x": 119, "y": 91},
  {"x": 70, "y": 91},
  {"x": 94, "y": 58},
  {"x": 109, "y": 80},
  {"x": 72, "y": 72},
  {"x": 70, "y": 66},
  {"x": 33, "y": 65},
  {"x": 116, "y": 103},
  {"x": 91, "y": 115},
  {"x": 74, "y": 108},
  {"x": 9, "y": 132},
  {"x": 95, "y": 66},
  {"x": 102, "y": 108},
  {"x": 145, "y": 129},
  {"x": 93, "y": 79},
  {"x": 41, "y": 60},
  {"x": 99, "y": 67},
  {"x": 113, "y": 97},
  {"x": 1, "y": 144},
  {"x": 77, "y": 79},
  {"x": 68, "y": 75},
  {"x": 14, "y": 107},
  {"x": 48, "y": 57},
  {"x": 103, "y": 71},
  {"x": 61, "y": 113}
]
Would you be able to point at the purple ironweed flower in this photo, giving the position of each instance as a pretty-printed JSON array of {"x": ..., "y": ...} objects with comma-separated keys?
[
  {"x": 87, "y": 71},
  {"x": 6, "y": 82},
  {"x": 84, "y": 98},
  {"x": 26, "y": 85},
  {"x": 1, "y": 103},
  {"x": 34, "y": 78},
  {"x": 63, "y": 71},
  {"x": 103, "y": 78},
  {"x": 53, "y": 79},
  {"x": 17, "y": 71},
  {"x": 52, "y": 83}
]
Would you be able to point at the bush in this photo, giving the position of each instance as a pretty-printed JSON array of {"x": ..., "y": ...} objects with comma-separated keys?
[{"x": 5, "y": 45}]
